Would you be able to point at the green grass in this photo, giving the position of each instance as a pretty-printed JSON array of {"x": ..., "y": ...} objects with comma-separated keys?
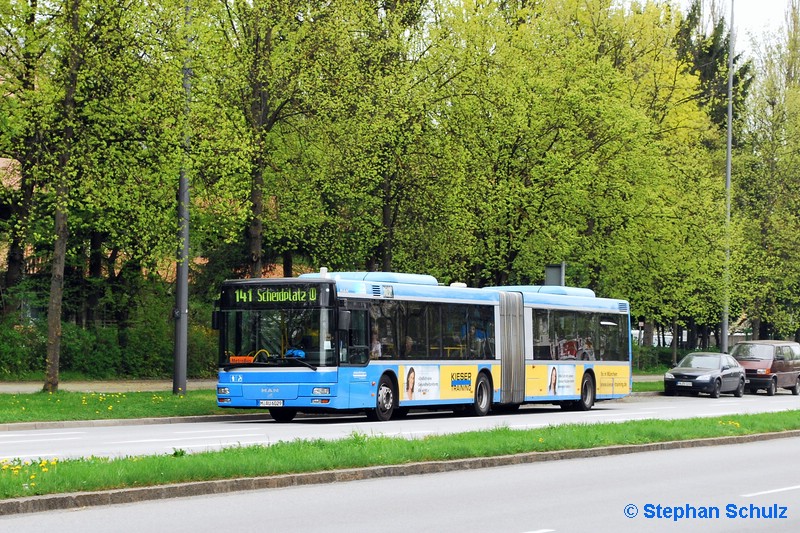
[
  {"x": 26, "y": 478},
  {"x": 63, "y": 405},
  {"x": 648, "y": 386}
]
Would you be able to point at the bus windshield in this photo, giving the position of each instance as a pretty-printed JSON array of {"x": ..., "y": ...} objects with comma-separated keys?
[{"x": 278, "y": 337}]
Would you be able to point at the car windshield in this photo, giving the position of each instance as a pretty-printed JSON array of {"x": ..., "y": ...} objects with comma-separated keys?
[
  {"x": 700, "y": 361},
  {"x": 752, "y": 351}
]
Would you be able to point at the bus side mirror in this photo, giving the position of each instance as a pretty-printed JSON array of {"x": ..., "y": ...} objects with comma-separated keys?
[
  {"x": 215, "y": 319},
  {"x": 344, "y": 319}
]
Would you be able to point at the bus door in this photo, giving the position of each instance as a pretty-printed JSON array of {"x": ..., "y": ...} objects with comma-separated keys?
[
  {"x": 511, "y": 335},
  {"x": 354, "y": 358}
]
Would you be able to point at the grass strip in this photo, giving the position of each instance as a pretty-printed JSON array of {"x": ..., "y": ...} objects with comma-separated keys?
[
  {"x": 65, "y": 405},
  {"x": 27, "y": 478}
]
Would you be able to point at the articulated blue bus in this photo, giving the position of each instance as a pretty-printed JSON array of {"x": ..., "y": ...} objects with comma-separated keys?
[{"x": 383, "y": 343}]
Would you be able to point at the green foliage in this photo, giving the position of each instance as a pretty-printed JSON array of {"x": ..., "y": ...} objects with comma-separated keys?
[
  {"x": 22, "y": 348},
  {"x": 91, "y": 352},
  {"x": 476, "y": 141}
]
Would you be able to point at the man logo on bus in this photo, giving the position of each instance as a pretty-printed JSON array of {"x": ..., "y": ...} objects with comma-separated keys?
[{"x": 461, "y": 381}]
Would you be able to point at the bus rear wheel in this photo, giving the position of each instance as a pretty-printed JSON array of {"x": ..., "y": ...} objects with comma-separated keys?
[
  {"x": 384, "y": 402},
  {"x": 587, "y": 394},
  {"x": 483, "y": 397}
]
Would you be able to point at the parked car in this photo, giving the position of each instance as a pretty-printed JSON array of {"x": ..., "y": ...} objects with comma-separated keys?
[
  {"x": 769, "y": 365},
  {"x": 711, "y": 373}
]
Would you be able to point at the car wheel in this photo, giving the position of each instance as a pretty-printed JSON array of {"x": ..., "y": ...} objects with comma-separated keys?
[
  {"x": 739, "y": 392},
  {"x": 668, "y": 392},
  {"x": 717, "y": 389},
  {"x": 796, "y": 389},
  {"x": 771, "y": 388}
]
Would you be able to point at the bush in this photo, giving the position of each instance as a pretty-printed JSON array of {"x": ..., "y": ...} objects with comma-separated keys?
[
  {"x": 93, "y": 353},
  {"x": 23, "y": 349}
]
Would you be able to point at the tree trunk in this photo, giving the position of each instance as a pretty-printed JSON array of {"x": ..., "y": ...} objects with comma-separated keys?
[
  {"x": 71, "y": 65},
  {"x": 288, "y": 264},
  {"x": 95, "y": 278},
  {"x": 255, "y": 232},
  {"x": 675, "y": 337},
  {"x": 56, "y": 298}
]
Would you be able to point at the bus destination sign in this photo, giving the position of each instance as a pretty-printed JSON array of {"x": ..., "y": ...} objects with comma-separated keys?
[{"x": 269, "y": 295}]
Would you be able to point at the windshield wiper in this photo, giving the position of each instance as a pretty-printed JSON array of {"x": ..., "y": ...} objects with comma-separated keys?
[{"x": 302, "y": 362}]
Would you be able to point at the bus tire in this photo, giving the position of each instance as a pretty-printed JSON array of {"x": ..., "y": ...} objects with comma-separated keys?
[
  {"x": 282, "y": 414},
  {"x": 384, "y": 401},
  {"x": 482, "y": 403},
  {"x": 587, "y": 393}
]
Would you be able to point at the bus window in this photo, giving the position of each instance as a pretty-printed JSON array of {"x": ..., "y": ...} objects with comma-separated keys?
[
  {"x": 454, "y": 318},
  {"x": 384, "y": 320},
  {"x": 613, "y": 338},
  {"x": 542, "y": 342},
  {"x": 586, "y": 333},
  {"x": 433, "y": 323},
  {"x": 564, "y": 333},
  {"x": 357, "y": 347}
]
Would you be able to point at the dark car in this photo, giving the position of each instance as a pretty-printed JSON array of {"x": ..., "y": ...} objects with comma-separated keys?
[
  {"x": 770, "y": 364},
  {"x": 711, "y": 373}
]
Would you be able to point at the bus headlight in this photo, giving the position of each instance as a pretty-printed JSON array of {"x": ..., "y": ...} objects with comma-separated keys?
[
  {"x": 223, "y": 390},
  {"x": 321, "y": 391}
]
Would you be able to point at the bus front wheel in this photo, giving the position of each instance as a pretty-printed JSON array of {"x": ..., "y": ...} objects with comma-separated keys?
[
  {"x": 384, "y": 403},
  {"x": 282, "y": 414}
]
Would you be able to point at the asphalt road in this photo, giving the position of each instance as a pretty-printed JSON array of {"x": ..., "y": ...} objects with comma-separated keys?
[{"x": 599, "y": 494}]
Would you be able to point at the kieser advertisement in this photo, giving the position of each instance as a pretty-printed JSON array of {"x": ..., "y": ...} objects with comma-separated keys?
[{"x": 426, "y": 382}]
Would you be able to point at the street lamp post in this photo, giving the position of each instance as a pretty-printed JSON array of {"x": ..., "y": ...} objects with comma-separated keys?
[{"x": 727, "y": 275}]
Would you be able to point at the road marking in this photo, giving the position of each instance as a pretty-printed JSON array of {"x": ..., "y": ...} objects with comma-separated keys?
[
  {"x": 184, "y": 438},
  {"x": 57, "y": 434},
  {"x": 784, "y": 489},
  {"x": 38, "y": 440}
]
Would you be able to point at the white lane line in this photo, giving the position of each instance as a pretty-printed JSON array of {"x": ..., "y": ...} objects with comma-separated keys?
[
  {"x": 184, "y": 438},
  {"x": 23, "y": 441},
  {"x": 55, "y": 434},
  {"x": 773, "y": 491}
]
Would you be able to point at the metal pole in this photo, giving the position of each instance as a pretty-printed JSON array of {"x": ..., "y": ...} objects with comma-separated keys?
[
  {"x": 727, "y": 276},
  {"x": 182, "y": 281}
]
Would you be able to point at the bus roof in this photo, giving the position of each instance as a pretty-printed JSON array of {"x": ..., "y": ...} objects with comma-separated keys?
[{"x": 425, "y": 287}]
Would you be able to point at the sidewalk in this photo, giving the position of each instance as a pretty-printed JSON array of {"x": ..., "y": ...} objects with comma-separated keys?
[{"x": 134, "y": 385}]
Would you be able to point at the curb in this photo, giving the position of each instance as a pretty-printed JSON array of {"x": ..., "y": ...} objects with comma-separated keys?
[{"x": 77, "y": 500}]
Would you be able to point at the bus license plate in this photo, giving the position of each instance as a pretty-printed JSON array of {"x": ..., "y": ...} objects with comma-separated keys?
[
  {"x": 684, "y": 384},
  {"x": 270, "y": 403}
]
